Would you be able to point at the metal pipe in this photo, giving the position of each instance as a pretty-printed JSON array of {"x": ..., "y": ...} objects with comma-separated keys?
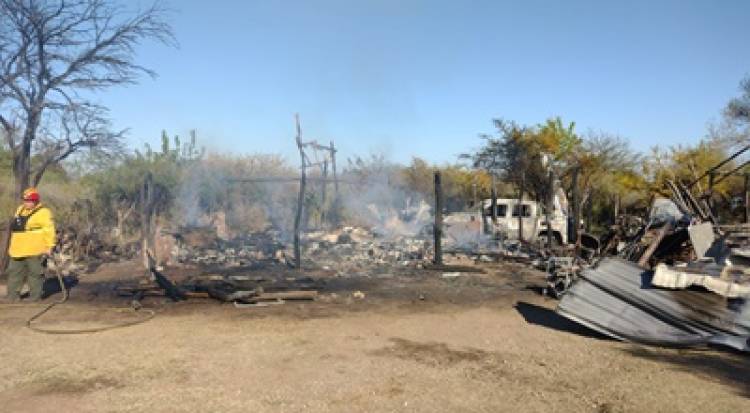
[
  {"x": 726, "y": 175},
  {"x": 719, "y": 165},
  {"x": 283, "y": 179}
]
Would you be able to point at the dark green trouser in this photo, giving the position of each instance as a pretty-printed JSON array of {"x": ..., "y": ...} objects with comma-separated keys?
[{"x": 27, "y": 269}]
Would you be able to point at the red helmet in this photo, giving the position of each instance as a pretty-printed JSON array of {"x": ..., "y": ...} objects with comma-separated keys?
[{"x": 31, "y": 194}]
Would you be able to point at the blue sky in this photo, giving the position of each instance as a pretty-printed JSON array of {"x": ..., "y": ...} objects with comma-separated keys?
[{"x": 424, "y": 78}]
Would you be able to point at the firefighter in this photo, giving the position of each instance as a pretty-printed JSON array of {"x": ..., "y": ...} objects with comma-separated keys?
[{"x": 32, "y": 241}]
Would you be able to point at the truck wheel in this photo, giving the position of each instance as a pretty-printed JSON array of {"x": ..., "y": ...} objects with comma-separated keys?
[{"x": 556, "y": 239}]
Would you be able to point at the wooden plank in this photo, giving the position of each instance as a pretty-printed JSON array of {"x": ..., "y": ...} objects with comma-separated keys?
[
  {"x": 286, "y": 295},
  {"x": 130, "y": 291},
  {"x": 454, "y": 268},
  {"x": 643, "y": 261}
]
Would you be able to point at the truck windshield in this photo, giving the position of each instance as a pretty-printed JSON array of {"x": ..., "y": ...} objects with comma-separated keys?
[
  {"x": 502, "y": 210},
  {"x": 525, "y": 210}
]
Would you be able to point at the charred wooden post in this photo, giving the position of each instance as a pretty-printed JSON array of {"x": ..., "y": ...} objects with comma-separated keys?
[
  {"x": 147, "y": 212},
  {"x": 170, "y": 289},
  {"x": 325, "y": 180},
  {"x": 300, "y": 198},
  {"x": 324, "y": 194},
  {"x": 438, "y": 229},
  {"x": 333, "y": 169},
  {"x": 335, "y": 218}
]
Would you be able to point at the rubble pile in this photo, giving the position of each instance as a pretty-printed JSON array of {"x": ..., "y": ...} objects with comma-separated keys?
[
  {"x": 355, "y": 250},
  {"x": 78, "y": 252},
  {"x": 674, "y": 278},
  {"x": 348, "y": 251},
  {"x": 240, "y": 289},
  {"x": 201, "y": 246}
]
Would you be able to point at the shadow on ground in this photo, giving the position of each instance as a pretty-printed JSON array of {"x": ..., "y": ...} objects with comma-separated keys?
[
  {"x": 542, "y": 316},
  {"x": 51, "y": 286},
  {"x": 732, "y": 369}
]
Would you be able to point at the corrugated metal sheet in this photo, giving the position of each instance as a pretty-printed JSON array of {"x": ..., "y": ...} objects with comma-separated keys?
[{"x": 616, "y": 298}]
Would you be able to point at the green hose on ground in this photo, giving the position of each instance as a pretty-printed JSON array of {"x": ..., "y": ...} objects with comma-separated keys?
[{"x": 149, "y": 315}]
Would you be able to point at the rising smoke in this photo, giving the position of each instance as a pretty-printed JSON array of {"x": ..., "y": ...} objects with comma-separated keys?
[{"x": 371, "y": 197}]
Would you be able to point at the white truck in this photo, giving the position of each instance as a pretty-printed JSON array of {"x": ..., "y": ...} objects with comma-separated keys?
[{"x": 532, "y": 219}]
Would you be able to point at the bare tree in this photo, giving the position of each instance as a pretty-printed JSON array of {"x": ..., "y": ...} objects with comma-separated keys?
[
  {"x": 739, "y": 108},
  {"x": 602, "y": 154},
  {"x": 734, "y": 131},
  {"x": 53, "y": 54},
  {"x": 50, "y": 53},
  {"x": 506, "y": 155}
]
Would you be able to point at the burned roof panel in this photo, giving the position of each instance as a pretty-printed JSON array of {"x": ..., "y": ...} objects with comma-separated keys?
[{"x": 616, "y": 298}]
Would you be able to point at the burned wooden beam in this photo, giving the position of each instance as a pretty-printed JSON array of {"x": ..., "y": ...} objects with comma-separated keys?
[
  {"x": 229, "y": 295},
  {"x": 663, "y": 231},
  {"x": 454, "y": 268},
  {"x": 285, "y": 295},
  {"x": 265, "y": 299},
  {"x": 139, "y": 293},
  {"x": 171, "y": 290}
]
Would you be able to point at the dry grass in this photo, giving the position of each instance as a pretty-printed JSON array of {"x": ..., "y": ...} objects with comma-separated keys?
[{"x": 370, "y": 355}]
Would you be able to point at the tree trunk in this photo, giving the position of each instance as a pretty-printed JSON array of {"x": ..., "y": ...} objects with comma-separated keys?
[
  {"x": 520, "y": 200},
  {"x": 21, "y": 172},
  {"x": 21, "y": 169},
  {"x": 4, "y": 244},
  {"x": 550, "y": 205},
  {"x": 575, "y": 196},
  {"x": 493, "y": 204},
  {"x": 589, "y": 211},
  {"x": 616, "y": 208},
  {"x": 120, "y": 227}
]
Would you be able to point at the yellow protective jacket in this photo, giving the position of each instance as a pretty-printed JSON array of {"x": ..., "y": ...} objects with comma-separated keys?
[{"x": 33, "y": 232}]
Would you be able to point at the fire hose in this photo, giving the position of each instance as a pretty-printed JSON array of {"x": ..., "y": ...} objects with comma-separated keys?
[{"x": 149, "y": 314}]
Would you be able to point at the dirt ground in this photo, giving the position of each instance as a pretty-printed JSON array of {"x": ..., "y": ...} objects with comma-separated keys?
[{"x": 415, "y": 343}]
